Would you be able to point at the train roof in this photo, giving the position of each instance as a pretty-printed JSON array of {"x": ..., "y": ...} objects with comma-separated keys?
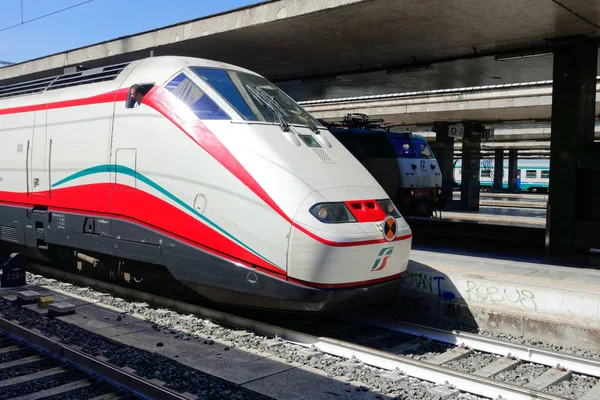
[
  {"x": 146, "y": 70},
  {"x": 358, "y": 123},
  {"x": 353, "y": 130}
]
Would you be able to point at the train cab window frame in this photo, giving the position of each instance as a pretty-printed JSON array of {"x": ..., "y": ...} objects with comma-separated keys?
[
  {"x": 403, "y": 147},
  {"x": 425, "y": 151},
  {"x": 144, "y": 88},
  {"x": 195, "y": 99},
  {"x": 262, "y": 100},
  {"x": 531, "y": 174},
  {"x": 222, "y": 83}
]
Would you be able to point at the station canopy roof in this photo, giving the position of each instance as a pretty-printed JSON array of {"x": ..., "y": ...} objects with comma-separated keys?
[{"x": 317, "y": 49}]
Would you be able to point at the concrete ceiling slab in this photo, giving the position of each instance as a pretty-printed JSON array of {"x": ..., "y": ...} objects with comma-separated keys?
[{"x": 287, "y": 40}]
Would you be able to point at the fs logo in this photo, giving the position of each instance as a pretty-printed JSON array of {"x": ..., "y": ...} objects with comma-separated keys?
[
  {"x": 380, "y": 262},
  {"x": 422, "y": 165}
]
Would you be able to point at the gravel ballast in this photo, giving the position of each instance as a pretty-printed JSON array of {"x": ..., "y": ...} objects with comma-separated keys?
[
  {"x": 393, "y": 384},
  {"x": 388, "y": 383}
]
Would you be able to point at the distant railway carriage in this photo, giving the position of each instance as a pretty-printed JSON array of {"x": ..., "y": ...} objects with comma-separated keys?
[{"x": 532, "y": 175}]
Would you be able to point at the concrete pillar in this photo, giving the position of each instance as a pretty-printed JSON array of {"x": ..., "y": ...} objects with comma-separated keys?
[
  {"x": 574, "y": 159},
  {"x": 443, "y": 149},
  {"x": 498, "y": 169},
  {"x": 471, "y": 156},
  {"x": 513, "y": 172}
]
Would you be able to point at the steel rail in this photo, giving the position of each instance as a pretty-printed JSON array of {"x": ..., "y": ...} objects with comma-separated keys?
[
  {"x": 414, "y": 368},
  {"x": 535, "y": 355},
  {"x": 139, "y": 386}
]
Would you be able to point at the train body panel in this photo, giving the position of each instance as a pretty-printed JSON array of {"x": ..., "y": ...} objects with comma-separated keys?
[
  {"x": 191, "y": 178},
  {"x": 420, "y": 173},
  {"x": 356, "y": 248},
  {"x": 221, "y": 211}
]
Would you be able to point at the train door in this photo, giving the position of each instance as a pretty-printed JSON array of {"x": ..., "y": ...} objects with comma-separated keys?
[
  {"x": 133, "y": 120},
  {"x": 40, "y": 156}
]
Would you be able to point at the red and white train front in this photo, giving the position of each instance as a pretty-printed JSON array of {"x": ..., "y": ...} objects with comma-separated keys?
[
  {"x": 216, "y": 174},
  {"x": 345, "y": 242}
]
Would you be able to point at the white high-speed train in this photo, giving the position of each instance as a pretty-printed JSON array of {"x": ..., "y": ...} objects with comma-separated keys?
[{"x": 215, "y": 174}]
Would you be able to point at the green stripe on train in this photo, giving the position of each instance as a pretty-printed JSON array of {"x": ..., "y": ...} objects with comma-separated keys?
[{"x": 121, "y": 169}]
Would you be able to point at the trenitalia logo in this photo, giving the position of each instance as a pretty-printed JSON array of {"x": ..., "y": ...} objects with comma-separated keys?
[{"x": 381, "y": 261}]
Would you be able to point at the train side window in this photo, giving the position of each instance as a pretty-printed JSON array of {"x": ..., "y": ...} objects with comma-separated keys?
[
  {"x": 136, "y": 93},
  {"x": 486, "y": 173},
  {"x": 192, "y": 96},
  {"x": 546, "y": 174},
  {"x": 531, "y": 173}
]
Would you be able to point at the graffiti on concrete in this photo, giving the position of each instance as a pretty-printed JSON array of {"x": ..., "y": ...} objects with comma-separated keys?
[
  {"x": 426, "y": 283},
  {"x": 489, "y": 293}
]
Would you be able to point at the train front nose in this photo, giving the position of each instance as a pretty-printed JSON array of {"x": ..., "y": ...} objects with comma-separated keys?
[{"x": 359, "y": 259}]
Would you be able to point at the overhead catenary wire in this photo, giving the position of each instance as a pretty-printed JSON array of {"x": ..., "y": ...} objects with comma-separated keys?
[{"x": 23, "y": 22}]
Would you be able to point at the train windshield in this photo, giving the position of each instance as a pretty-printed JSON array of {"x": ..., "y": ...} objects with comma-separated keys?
[
  {"x": 422, "y": 148},
  {"x": 411, "y": 148},
  {"x": 403, "y": 147},
  {"x": 254, "y": 97}
]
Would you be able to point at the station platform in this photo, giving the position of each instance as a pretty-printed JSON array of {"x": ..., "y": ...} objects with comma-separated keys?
[
  {"x": 500, "y": 215},
  {"x": 520, "y": 200},
  {"x": 536, "y": 297}
]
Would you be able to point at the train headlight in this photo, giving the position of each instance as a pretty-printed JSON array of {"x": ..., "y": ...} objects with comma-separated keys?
[
  {"x": 331, "y": 213},
  {"x": 322, "y": 213},
  {"x": 389, "y": 208}
]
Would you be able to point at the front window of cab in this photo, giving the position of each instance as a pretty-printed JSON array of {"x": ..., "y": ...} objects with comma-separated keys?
[
  {"x": 411, "y": 148},
  {"x": 254, "y": 97},
  {"x": 403, "y": 147},
  {"x": 195, "y": 99},
  {"x": 422, "y": 148}
]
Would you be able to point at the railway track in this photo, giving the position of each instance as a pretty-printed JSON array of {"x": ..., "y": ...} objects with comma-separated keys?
[
  {"x": 465, "y": 351},
  {"x": 33, "y": 366},
  {"x": 427, "y": 354}
]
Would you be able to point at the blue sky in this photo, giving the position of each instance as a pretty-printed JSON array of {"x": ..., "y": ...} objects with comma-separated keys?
[{"x": 91, "y": 22}]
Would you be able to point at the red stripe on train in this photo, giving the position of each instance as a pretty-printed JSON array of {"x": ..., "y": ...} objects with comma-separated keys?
[
  {"x": 143, "y": 208},
  {"x": 110, "y": 97},
  {"x": 344, "y": 285}
]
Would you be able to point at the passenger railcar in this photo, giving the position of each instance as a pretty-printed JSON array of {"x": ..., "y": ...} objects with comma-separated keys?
[
  {"x": 207, "y": 169},
  {"x": 402, "y": 162},
  {"x": 532, "y": 175}
]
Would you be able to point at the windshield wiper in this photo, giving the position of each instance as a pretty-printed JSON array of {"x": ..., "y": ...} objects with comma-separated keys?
[
  {"x": 313, "y": 127},
  {"x": 267, "y": 100}
]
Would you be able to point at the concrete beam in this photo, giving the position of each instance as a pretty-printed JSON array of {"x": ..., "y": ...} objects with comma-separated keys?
[
  {"x": 484, "y": 104},
  {"x": 525, "y": 133}
]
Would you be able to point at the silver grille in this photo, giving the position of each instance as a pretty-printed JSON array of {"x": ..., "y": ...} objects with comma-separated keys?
[
  {"x": 8, "y": 233},
  {"x": 322, "y": 154}
]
